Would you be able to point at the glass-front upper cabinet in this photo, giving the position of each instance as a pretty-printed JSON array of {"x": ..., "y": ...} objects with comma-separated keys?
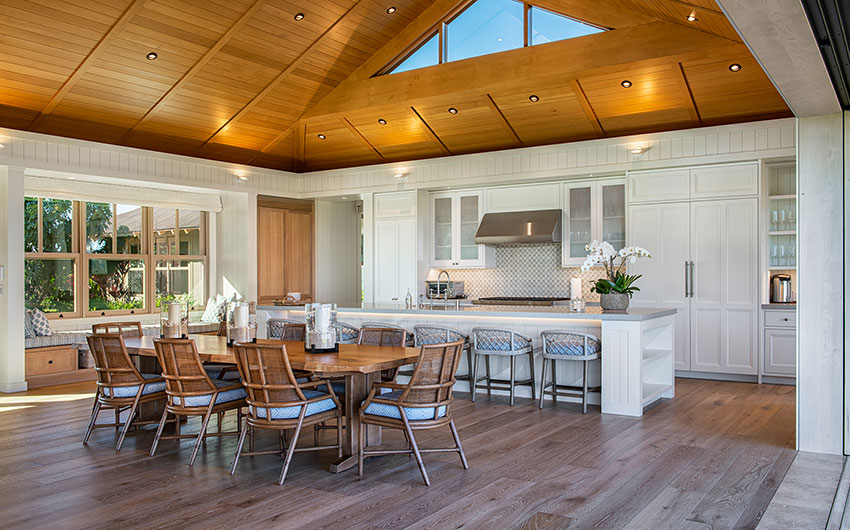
[
  {"x": 593, "y": 210},
  {"x": 454, "y": 220},
  {"x": 782, "y": 216}
]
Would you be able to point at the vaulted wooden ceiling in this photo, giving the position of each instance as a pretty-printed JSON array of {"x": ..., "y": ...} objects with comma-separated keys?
[{"x": 242, "y": 81}]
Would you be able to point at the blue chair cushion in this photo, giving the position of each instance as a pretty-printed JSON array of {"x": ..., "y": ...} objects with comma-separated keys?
[
  {"x": 214, "y": 370},
  {"x": 130, "y": 391},
  {"x": 288, "y": 413},
  {"x": 338, "y": 386},
  {"x": 571, "y": 345},
  {"x": 234, "y": 394},
  {"x": 501, "y": 342},
  {"x": 412, "y": 413}
]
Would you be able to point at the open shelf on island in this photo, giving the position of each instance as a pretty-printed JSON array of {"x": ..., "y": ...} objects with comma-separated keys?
[
  {"x": 653, "y": 354},
  {"x": 652, "y": 391}
]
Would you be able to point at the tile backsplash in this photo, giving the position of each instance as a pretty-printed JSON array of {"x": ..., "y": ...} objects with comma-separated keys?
[{"x": 526, "y": 270}]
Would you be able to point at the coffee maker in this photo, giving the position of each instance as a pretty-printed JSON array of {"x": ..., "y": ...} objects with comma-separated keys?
[{"x": 780, "y": 289}]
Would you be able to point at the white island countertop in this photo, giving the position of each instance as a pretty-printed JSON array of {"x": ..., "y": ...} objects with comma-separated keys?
[{"x": 515, "y": 311}]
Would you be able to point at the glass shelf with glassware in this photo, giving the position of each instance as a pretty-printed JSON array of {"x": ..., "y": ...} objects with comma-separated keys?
[{"x": 781, "y": 217}]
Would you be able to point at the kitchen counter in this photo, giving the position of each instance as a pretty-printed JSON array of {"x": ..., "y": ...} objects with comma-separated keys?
[
  {"x": 636, "y": 366},
  {"x": 509, "y": 311},
  {"x": 790, "y": 306}
]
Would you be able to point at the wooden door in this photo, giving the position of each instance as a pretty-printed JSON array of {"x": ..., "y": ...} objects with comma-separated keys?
[
  {"x": 724, "y": 303},
  {"x": 271, "y": 284},
  {"x": 663, "y": 229},
  {"x": 298, "y": 253}
]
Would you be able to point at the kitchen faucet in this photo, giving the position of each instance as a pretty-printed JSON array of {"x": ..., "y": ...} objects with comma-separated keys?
[{"x": 448, "y": 284}]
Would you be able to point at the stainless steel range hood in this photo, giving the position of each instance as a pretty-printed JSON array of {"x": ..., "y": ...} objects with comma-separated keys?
[{"x": 537, "y": 226}]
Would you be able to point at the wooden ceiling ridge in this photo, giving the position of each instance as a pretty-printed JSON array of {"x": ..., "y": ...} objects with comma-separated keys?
[
  {"x": 630, "y": 47},
  {"x": 89, "y": 60},
  {"x": 199, "y": 64},
  {"x": 358, "y": 6}
]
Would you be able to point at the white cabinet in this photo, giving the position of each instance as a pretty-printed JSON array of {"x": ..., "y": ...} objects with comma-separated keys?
[
  {"x": 594, "y": 210},
  {"x": 454, "y": 221},
  {"x": 779, "y": 349},
  {"x": 521, "y": 198},
  {"x": 706, "y": 182},
  {"x": 704, "y": 263},
  {"x": 395, "y": 259}
]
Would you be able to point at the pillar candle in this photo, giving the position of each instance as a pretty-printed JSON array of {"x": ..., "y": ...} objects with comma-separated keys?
[
  {"x": 575, "y": 288},
  {"x": 240, "y": 316},
  {"x": 174, "y": 313}
]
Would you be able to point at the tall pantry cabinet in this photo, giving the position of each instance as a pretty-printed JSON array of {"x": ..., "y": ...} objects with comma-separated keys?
[{"x": 701, "y": 226}]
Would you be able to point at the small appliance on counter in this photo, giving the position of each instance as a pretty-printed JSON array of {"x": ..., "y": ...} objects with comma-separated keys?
[
  {"x": 437, "y": 289},
  {"x": 521, "y": 300},
  {"x": 780, "y": 289}
]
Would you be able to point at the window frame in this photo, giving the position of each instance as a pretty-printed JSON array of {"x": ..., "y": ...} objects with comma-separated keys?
[{"x": 81, "y": 257}]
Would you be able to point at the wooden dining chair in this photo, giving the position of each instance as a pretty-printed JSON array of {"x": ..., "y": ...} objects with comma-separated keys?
[
  {"x": 425, "y": 402},
  {"x": 128, "y": 329},
  {"x": 191, "y": 391},
  {"x": 120, "y": 386},
  {"x": 392, "y": 337},
  {"x": 278, "y": 400}
]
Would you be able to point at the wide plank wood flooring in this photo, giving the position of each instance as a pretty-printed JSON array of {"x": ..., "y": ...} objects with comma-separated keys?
[{"x": 710, "y": 458}]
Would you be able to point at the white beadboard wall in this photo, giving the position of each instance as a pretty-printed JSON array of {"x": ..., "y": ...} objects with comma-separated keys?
[
  {"x": 69, "y": 156},
  {"x": 236, "y": 246},
  {"x": 707, "y": 145}
]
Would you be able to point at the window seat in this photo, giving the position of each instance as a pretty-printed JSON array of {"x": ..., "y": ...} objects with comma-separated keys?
[{"x": 64, "y": 338}]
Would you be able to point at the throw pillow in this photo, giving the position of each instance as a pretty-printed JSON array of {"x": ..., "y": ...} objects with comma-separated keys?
[
  {"x": 40, "y": 324},
  {"x": 28, "y": 331},
  {"x": 211, "y": 311}
]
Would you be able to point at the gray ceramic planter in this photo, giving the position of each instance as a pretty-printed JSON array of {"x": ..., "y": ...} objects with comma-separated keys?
[{"x": 614, "y": 301}]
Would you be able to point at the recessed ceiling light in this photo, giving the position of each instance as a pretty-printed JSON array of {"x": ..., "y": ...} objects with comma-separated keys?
[
  {"x": 391, "y": 10},
  {"x": 626, "y": 83},
  {"x": 533, "y": 98},
  {"x": 735, "y": 67},
  {"x": 452, "y": 110},
  {"x": 299, "y": 16},
  {"x": 692, "y": 17},
  {"x": 151, "y": 56},
  {"x": 321, "y": 136},
  {"x": 382, "y": 121}
]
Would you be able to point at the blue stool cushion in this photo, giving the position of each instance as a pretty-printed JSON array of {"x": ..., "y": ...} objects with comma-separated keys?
[
  {"x": 288, "y": 413},
  {"x": 223, "y": 397},
  {"x": 214, "y": 370},
  {"x": 130, "y": 391},
  {"x": 501, "y": 343},
  {"x": 412, "y": 413}
]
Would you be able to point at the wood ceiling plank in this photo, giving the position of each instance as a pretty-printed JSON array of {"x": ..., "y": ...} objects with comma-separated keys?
[
  {"x": 586, "y": 107},
  {"x": 687, "y": 96},
  {"x": 535, "y": 66},
  {"x": 359, "y": 135},
  {"x": 430, "y": 132},
  {"x": 488, "y": 99},
  {"x": 220, "y": 43},
  {"x": 93, "y": 56},
  {"x": 360, "y": 4}
]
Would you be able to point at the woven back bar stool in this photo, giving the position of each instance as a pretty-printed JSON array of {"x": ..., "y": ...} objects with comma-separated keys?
[
  {"x": 283, "y": 329},
  {"x": 506, "y": 343},
  {"x": 347, "y": 333},
  {"x": 564, "y": 345},
  {"x": 426, "y": 334}
]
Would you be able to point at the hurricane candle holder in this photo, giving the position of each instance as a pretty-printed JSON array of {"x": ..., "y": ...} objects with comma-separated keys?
[
  {"x": 174, "y": 319},
  {"x": 321, "y": 328},
  {"x": 242, "y": 323}
]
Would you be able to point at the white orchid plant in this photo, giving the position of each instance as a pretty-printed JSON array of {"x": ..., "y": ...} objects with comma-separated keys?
[{"x": 617, "y": 280}]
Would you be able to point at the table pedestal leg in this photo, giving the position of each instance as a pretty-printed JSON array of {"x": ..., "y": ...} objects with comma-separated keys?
[
  {"x": 356, "y": 390},
  {"x": 152, "y": 410}
]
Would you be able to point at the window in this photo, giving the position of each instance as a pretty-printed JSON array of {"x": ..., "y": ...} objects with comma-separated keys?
[
  {"x": 120, "y": 246},
  {"x": 487, "y": 26},
  {"x": 426, "y": 55},
  {"x": 546, "y": 26},
  {"x": 491, "y": 26}
]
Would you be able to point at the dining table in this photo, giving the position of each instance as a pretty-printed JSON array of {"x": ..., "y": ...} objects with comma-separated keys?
[{"x": 359, "y": 364}]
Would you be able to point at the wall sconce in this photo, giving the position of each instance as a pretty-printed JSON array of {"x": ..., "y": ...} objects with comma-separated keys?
[{"x": 638, "y": 150}]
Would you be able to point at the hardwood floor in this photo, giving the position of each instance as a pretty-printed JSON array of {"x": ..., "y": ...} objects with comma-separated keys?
[{"x": 711, "y": 458}]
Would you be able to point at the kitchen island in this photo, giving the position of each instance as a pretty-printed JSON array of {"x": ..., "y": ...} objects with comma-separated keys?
[{"x": 636, "y": 368}]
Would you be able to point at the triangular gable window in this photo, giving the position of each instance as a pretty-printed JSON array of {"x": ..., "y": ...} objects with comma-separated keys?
[{"x": 492, "y": 26}]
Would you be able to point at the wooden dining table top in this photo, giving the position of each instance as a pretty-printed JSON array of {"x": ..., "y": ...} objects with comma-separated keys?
[{"x": 352, "y": 358}]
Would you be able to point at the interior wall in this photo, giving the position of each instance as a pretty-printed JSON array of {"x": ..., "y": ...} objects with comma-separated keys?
[
  {"x": 337, "y": 257},
  {"x": 12, "y": 377},
  {"x": 236, "y": 246},
  {"x": 820, "y": 268}
]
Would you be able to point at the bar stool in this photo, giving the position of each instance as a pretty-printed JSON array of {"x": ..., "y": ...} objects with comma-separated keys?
[
  {"x": 564, "y": 345},
  {"x": 503, "y": 342},
  {"x": 425, "y": 334},
  {"x": 346, "y": 333}
]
